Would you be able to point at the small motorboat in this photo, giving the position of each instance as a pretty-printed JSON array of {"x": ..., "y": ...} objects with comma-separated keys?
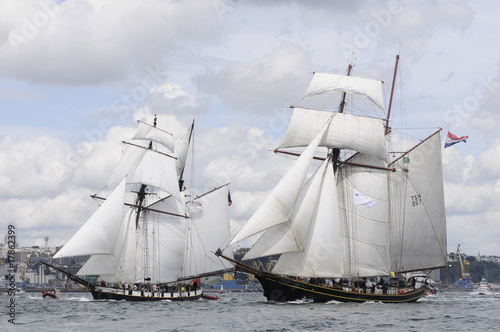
[
  {"x": 482, "y": 288},
  {"x": 51, "y": 294}
]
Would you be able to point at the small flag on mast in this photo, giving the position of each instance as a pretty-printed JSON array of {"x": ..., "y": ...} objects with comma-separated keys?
[
  {"x": 452, "y": 139},
  {"x": 229, "y": 200}
]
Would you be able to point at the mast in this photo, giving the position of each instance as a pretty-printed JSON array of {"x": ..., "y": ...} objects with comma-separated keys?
[
  {"x": 387, "y": 130},
  {"x": 342, "y": 103},
  {"x": 141, "y": 195},
  {"x": 336, "y": 152},
  {"x": 335, "y": 156}
]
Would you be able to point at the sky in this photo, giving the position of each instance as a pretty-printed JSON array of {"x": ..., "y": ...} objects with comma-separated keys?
[{"x": 75, "y": 76}]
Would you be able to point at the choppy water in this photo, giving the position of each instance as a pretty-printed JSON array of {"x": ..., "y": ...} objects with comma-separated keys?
[{"x": 251, "y": 312}]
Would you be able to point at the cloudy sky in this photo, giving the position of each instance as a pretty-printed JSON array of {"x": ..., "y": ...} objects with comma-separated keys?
[{"x": 76, "y": 74}]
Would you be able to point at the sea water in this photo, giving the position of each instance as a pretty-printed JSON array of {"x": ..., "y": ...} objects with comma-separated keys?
[{"x": 250, "y": 312}]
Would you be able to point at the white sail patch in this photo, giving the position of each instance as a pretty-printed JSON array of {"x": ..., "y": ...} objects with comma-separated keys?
[
  {"x": 366, "y": 218},
  {"x": 148, "y": 133},
  {"x": 418, "y": 220},
  {"x": 98, "y": 236},
  {"x": 292, "y": 235},
  {"x": 346, "y": 131},
  {"x": 181, "y": 151},
  {"x": 210, "y": 230},
  {"x": 279, "y": 205},
  {"x": 322, "y": 83},
  {"x": 321, "y": 255},
  {"x": 146, "y": 166}
]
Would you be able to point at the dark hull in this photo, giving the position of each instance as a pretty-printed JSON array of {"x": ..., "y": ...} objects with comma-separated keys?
[
  {"x": 105, "y": 293},
  {"x": 281, "y": 289},
  {"x": 109, "y": 293}
]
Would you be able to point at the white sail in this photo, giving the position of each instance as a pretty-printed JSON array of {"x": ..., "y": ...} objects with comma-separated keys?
[
  {"x": 321, "y": 256},
  {"x": 346, "y": 131},
  {"x": 155, "y": 169},
  {"x": 418, "y": 221},
  {"x": 168, "y": 204},
  {"x": 292, "y": 236},
  {"x": 149, "y": 167},
  {"x": 99, "y": 234},
  {"x": 181, "y": 151},
  {"x": 279, "y": 205},
  {"x": 120, "y": 265},
  {"x": 322, "y": 83},
  {"x": 367, "y": 224},
  {"x": 148, "y": 133},
  {"x": 127, "y": 164},
  {"x": 210, "y": 225},
  {"x": 102, "y": 265},
  {"x": 166, "y": 241}
]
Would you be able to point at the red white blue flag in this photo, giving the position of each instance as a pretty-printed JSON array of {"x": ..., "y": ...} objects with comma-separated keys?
[
  {"x": 452, "y": 139},
  {"x": 229, "y": 200}
]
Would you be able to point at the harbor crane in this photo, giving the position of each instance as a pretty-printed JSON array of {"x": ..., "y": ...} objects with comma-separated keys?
[{"x": 464, "y": 263}]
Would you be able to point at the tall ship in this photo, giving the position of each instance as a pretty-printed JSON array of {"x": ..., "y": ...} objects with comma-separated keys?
[
  {"x": 151, "y": 237},
  {"x": 356, "y": 218}
]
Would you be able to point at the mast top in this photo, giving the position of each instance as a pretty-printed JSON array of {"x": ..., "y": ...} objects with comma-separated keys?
[
  {"x": 387, "y": 129},
  {"x": 352, "y": 59}
]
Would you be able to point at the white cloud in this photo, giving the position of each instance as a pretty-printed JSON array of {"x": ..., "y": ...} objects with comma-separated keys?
[
  {"x": 259, "y": 85},
  {"x": 487, "y": 169},
  {"x": 30, "y": 168},
  {"x": 86, "y": 42}
]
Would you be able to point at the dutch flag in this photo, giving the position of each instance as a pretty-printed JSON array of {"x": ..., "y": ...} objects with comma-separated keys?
[{"x": 452, "y": 139}]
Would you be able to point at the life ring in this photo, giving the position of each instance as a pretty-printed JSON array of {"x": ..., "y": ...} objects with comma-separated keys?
[{"x": 400, "y": 291}]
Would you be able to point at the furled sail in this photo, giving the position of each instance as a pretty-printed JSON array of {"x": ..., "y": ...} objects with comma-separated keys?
[
  {"x": 346, "y": 131},
  {"x": 99, "y": 235},
  {"x": 418, "y": 221},
  {"x": 322, "y": 83},
  {"x": 279, "y": 205}
]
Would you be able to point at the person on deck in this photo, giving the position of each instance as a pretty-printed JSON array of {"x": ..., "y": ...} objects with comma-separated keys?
[{"x": 384, "y": 287}]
